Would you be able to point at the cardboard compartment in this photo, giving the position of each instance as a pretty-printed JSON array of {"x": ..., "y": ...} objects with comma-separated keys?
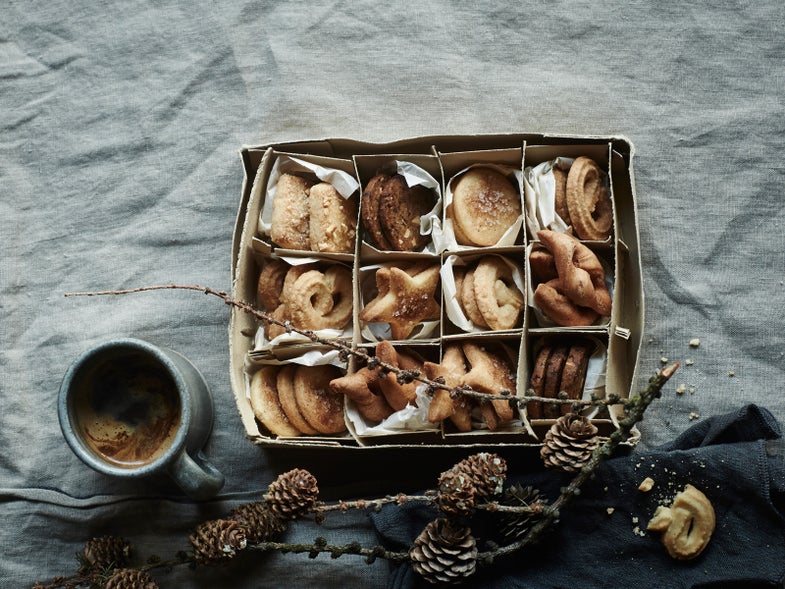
[{"x": 526, "y": 160}]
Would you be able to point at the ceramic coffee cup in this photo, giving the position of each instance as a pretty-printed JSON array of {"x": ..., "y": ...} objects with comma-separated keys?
[{"x": 130, "y": 409}]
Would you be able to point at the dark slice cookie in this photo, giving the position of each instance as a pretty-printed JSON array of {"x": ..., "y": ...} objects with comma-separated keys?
[
  {"x": 553, "y": 373},
  {"x": 369, "y": 211},
  {"x": 537, "y": 381},
  {"x": 400, "y": 209},
  {"x": 573, "y": 376}
]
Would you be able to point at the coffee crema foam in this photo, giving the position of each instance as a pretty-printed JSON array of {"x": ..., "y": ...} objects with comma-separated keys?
[{"x": 128, "y": 410}]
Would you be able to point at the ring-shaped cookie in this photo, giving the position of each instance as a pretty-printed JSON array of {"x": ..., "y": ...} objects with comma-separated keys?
[
  {"x": 498, "y": 298},
  {"x": 588, "y": 201},
  {"x": 270, "y": 284},
  {"x": 319, "y": 300}
]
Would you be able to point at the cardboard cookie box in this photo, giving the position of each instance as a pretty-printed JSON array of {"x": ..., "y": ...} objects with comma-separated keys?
[{"x": 495, "y": 322}]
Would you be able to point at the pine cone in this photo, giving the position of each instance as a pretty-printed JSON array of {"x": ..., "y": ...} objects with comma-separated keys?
[
  {"x": 444, "y": 553},
  {"x": 569, "y": 443},
  {"x": 292, "y": 494},
  {"x": 105, "y": 552},
  {"x": 218, "y": 541},
  {"x": 456, "y": 492},
  {"x": 259, "y": 522},
  {"x": 516, "y": 525},
  {"x": 130, "y": 579},
  {"x": 487, "y": 471}
]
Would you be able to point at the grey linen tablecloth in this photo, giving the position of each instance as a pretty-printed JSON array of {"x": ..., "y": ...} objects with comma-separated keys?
[{"x": 120, "y": 124}]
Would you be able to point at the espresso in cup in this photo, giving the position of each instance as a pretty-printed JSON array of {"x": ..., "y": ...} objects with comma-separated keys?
[
  {"x": 127, "y": 410},
  {"x": 132, "y": 410}
]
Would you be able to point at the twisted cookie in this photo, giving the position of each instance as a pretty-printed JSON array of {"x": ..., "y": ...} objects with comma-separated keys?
[
  {"x": 588, "y": 201},
  {"x": 579, "y": 295}
]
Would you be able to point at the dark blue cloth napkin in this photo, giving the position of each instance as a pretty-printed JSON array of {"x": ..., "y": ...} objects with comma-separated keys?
[{"x": 736, "y": 459}]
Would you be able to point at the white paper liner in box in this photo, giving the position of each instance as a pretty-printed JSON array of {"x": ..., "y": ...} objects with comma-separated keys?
[
  {"x": 446, "y": 240},
  {"x": 262, "y": 343},
  {"x": 539, "y": 190},
  {"x": 412, "y": 418},
  {"x": 344, "y": 183},
  {"x": 430, "y": 223},
  {"x": 450, "y": 295},
  {"x": 542, "y": 319},
  {"x": 376, "y": 332}
]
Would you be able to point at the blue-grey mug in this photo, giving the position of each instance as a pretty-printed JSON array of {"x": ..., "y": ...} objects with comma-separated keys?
[{"x": 131, "y": 409}]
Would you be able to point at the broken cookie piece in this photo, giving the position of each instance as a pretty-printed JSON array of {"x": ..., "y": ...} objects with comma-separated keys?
[{"x": 687, "y": 525}]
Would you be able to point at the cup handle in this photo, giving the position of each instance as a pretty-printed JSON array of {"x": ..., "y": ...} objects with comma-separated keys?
[{"x": 196, "y": 476}]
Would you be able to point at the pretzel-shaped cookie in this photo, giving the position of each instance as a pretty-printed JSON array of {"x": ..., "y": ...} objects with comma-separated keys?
[
  {"x": 590, "y": 209},
  {"x": 552, "y": 300},
  {"x": 687, "y": 525},
  {"x": 580, "y": 272}
]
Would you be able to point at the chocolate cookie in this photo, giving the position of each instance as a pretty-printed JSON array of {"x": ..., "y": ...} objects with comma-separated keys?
[
  {"x": 573, "y": 377},
  {"x": 553, "y": 372},
  {"x": 400, "y": 209},
  {"x": 369, "y": 211},
  {"x": 537, "y": 381}
]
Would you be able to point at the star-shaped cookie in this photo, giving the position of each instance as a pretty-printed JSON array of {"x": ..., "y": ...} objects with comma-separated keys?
[{"x": 405, "y": 299}]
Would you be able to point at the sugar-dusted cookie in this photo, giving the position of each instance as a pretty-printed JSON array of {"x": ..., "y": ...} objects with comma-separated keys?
[
  {"x": 319, "y": 405},
  {"x": 290, "y": 218},
  {"x": 285, "y": 385},
  {"x": 265, "y": 404},
  {"x": 485, "y": 204},
  {"x": 405, "y": 298},
  {"x": 333, "y": 220}
]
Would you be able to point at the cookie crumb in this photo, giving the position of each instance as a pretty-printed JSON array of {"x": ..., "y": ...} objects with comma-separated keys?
[
  {"x": 692, "y": 390},
  {"x": 646, "y": 485},
  {"x": 681, "y": 389},
  {"x": 693, "y": 416},
  {"x": 695, "y": 342},
  {"x": 663, "y": 360},
  {"x": 689, "y": 362},
  {"x": 731, "y": 373},
  {"x": 610, "y": 510}
]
